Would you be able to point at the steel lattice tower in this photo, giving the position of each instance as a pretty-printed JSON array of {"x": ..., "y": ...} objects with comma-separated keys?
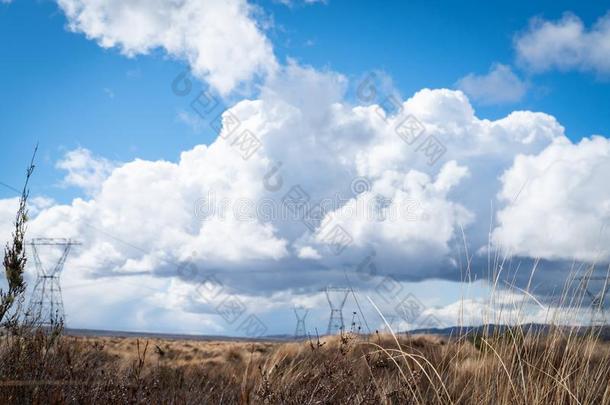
[
  {"x": 301, "y": 314},
  {"x": 598, "y": 309},
  {"x": 46, "y": 306},
  {"x": 335, "y": 323},
  {"x": 356, "y": 326}
]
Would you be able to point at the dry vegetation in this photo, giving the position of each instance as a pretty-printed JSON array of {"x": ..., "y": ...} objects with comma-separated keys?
[
  {"x": 560, "y": 368},
  {"x": 39, "y": 365}
]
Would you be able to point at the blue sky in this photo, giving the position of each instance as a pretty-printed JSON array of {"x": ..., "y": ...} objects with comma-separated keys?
[{"x": 93, "y": 85}]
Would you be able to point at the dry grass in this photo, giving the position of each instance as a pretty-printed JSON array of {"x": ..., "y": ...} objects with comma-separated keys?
[{"x": 507, "y": 368}]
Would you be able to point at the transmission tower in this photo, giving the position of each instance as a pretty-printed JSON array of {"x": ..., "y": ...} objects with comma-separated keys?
[
  {"x": 337, "y": 302},
  {"x": 598, "y": 309},
  {"x": 301, "y": 314},
  {"x": 356, "y": 325},
  {"x": 46, "y": 304}
]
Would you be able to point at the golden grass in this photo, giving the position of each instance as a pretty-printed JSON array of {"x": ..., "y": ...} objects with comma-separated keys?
[{"x": 511, "y": 367}]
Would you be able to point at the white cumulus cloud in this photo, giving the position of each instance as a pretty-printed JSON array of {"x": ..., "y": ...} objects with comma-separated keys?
[
  {"x": 218, "y": 213},
  {"x": 558, "y": 202},
  {"x": 566, "y": 44},
  {"x": 220, "y": 39},
  {"x": 209, "y": 206},
  {"x": 499, "y": 85},
  {"x": 84, "y": 170}
]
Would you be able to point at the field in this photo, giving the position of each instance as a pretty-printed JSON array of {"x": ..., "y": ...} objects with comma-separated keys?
[
  {"x": 505, "y": 365},
  {"x": 511, "y": 367}
]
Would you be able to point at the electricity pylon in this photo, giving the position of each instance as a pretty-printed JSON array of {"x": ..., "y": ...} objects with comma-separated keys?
[
  {"x": 46, "y": 306},
  {"x": 335, "y": 323},
  {"x": 301, "y": 314},
  {"x": 598, "y": 309},
  {"x": 356, "y": 325}
]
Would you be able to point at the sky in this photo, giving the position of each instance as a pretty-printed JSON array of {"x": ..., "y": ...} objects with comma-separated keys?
[{"x": 446, "y": 140}]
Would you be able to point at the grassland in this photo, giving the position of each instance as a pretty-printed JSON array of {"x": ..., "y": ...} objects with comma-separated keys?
[
  {"x": 508, "y": 368},
  {"x": 516, "y": 365}
]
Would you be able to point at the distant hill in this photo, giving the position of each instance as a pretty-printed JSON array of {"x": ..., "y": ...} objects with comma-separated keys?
[
  {"x": 172, "y": 336},
  {"x": 453, "y": 331},
  {"x": 491, "y": 328}
]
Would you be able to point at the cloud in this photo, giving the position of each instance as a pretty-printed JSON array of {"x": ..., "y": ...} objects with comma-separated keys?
[
  {"x": 407, "y": 211},
  {"x": 500, "y": 85},
  {"x": 85, "y": 171},
  {"x": 216, "y": 211},
  {"x": 108, "y": 92},
  {"x": 558, "y": 202},
  {"x": 293, "y": 3},
  {"x": 203, "y": 33},
  {"x": 307, "y": 252},
  {"x": 8, "y": 209},
  {"x": 506, "y": 307},
  {"x": 565, "y": 45},
  {"x": 191, "y": 120},
  {"x": 152, "y": 230}
]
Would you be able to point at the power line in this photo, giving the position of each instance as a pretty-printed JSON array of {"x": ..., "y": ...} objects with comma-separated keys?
[{"x": 10, "y": 187}]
